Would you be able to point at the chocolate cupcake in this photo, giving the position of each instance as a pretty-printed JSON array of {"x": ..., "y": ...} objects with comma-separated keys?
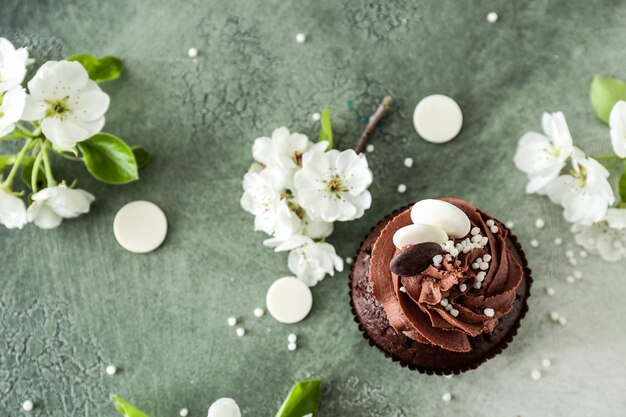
[{"x": 440, "y": 286}]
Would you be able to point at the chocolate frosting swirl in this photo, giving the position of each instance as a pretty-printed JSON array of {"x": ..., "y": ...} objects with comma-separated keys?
[{"x": 416, "y": 312}]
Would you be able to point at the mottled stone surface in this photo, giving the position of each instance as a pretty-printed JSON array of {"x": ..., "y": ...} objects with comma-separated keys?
[{"x": 72, "y": 301}]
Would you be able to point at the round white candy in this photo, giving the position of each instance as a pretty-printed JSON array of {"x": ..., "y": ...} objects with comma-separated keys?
[
  {"x": 292, "y": 338},
  {"x": 289, "y": 300},
  {"x": 437, "y": 118},
  {"x": 111, "y": 370},
  {"x": 140, "y": 226},
  {"x": 224, "y": 407},
  {"x": 28, "y": 405},
  {"x": 258, "y": 312},
  {"x": 442, "y": 215},
  {"x": 184, "y": 412},
  {"x": 418, "y": 233}
]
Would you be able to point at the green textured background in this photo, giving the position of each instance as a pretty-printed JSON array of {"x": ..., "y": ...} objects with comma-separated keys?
[{"x": 72, "y": 301}]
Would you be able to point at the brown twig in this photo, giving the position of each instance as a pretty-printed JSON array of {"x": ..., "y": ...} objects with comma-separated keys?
[{"x": 380, "y": 113}]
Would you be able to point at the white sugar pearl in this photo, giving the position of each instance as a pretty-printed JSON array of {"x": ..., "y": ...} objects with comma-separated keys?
[
  {"x": 292, "y": 346},
  {"x": 569, "y": 253},
  {"x": 28, "y": 405},
  {"x": 480, "y": 277},
  {"x": 484, "y": 266},
  {"x": 558, "y": 241},
  {"x": 492, "y": 17},
  {"x": 449, "y": 307},
  {"x": 487, "y": 258},
  {"x": 569, "y": 279},
  {"x": 554, "y": 315},
  {"x": 446, "y": 397},
  {"x": 349, "y": 260},
  {"x": 535, "y": 374},
  {"x": 583, "y": 254},
  {"x": 232, "y": 321},
  {"x": 241, "y": 331},
  {"x": 540, "y": 223},
  {"x": 408, "y": 162},
  {"x": 454, "y": 312},
  {"x": 475, "y": 231},
  {"x": 550, "y": 291},
  {"x": 489, "y": 312},
  {"x": 300, "y": 38},
  {"x": 369, "y": 148},
  {"x": 484, "y": 241},
  {"x": 573, "y": 261},
  {"x": 534, "y": 243},
  {"x": 258, "y": 312},
  {"x": 509, "y": 225},
  {"x": 111, "y": 370},
  {"x": 494, "y": 229},
  {"x": 402, "y": 289},
  {"x": 477, "y": 285},
  {"x": 546, "y": 363},
  {"x": 401, "y": 188},
  {"x": 183, "y": 412},
  {"x": 475, "y": 265},
  {"x": 490, "y": 223},
  {"x": 437, "y": 259},
  {"x": 292, "y": 338},
  {"x": 316, "y": 116},
  {"x": 192, "y": 52},
  {"x": 463, "y": 287},
  {"x": 562, "y": 321},
  {"x": 444, "y": 302},
  {"x": 578, "y": 274}
]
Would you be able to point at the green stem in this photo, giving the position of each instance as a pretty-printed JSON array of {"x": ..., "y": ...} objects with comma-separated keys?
[
  {"x": 35, "y": 174},
  {"x": 47, "y": 166},
  {"x": 18, "y": 160},
  {"x": 24, "y": 130},
  {"x": 13, "y": 135},
  {"x": 607, "y": 158},
  {"x": 70, "y": 157}
]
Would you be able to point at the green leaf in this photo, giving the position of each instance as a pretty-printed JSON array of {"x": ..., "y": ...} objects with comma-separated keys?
[
  {"x": 622, "y": 185},
  {"x": 326, "y": 132},
  {"x": 127, "y": 409},
  {"x": 27, "y": 172},
  {"x": 604, "y": 93},
  {"x": 142, "y": 156},
  {"x": 303, "y": 399},
  {"x": 109, "y": 159},
  {"x": 102, "y": 69},
  {"x": 6, "y": 161}
]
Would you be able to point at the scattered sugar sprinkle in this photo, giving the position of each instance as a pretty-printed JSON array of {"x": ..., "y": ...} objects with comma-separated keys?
[
  {"x": 369, "y": 148},
  {"x": 258, "y": 312},
  {"x": 192, "y": 53},
  {"x": 241, "y": 331},
  {"x": 444, "y": 302},
  {"x": 402, "y": 289},
  {"x": 558, "y": 241},
  {"x": 534, "y": 243},
  {"x": 573, "y": 261},
  {"x": 492, "y": 17},
  {"x": 292, "y": 346},
  {"x": 232, "y": 321},
  {"x": 28, "y": 405},
  {"x": 292, "y": 338},
  {"x": 540, "y": 223},
  {"x": 509, "y": 224},
  {"x": 562, "y": 321},
  {"x": 111, "y": 370},
  {"x": 487, "y": 257},
  {"x": 578, "y": 274},
  {"x": 535, "y": 374},
  {"x": 546, "y": 363},
  {"x": 408, "y": 162},
  {"x": 569, "y": 279},
  {"x": 569, "y": 253},
  {"x": 583, "y": 254},
  {"x": 447, "y": 397},
  {"x": 300, "y": 38},
  {"x": 316, "y": 116},
  {"x": 463, "y": 287},
  {"x": 554, "y": 316},
  {"x": 550, "y": 291},
  {"x": 477, "y": 285},
  {"x": 183, "y": 412},
  {"x": 490, "y": 223},
  {"x": 454, "y": 312},
  {"x": 449, "y": 307},
  {"x": 401, "y": 188},
  {"x": 349, "y": 260},
  {"x": 489, "y": 312}
]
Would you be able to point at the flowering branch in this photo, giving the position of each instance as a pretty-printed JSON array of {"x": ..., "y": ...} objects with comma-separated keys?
[{"x": 374, "y": 120}]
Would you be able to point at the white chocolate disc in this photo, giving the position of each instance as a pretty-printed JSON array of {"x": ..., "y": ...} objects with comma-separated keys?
[
  {"x": 289, "y": 300},
  {"x": 224, "y": 407},
  {"x": 437, "y": 118},
  {"x": 442, "y": 215},
  {"x": 140, "y": 226},
  {"x": 418, "y": 233}
]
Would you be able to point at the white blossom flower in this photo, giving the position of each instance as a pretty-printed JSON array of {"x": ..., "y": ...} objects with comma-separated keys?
[
  {"x": 617, "y": 122},
  {"x": 541, "y": 156},
  {"x": 601, "y": 239},
  {"x": 310, "y": 261},
  {"x": 12, "y": 210},
  {"x": 332, "y": 186},
  {"x": 11, "y": 107},
  {"x": 263, "y": 199},
  {"x": 586, "y": 194},
  {"x": 282, "y": 153},
  {"x": 616, "y": 218},
  {"x": 13, "y": 64},
  {"x": 71, "y": 105},
  {"x": 53, "y": 204}
]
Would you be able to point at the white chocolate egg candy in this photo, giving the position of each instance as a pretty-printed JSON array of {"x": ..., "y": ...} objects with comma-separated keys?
[
  {"x": 224, "y": 407},
  {"x": 442, "y": 215},
  {"x": 414, "y": 234}
]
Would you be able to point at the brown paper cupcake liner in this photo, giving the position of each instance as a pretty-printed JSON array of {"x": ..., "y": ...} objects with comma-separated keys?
[{"x": 493, "y": 351}]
